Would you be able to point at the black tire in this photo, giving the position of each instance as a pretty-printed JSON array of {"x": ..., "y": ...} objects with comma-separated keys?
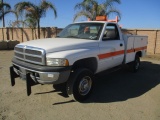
[
  {"x": 135, "y": 65},
  {"x": 80, "y": 84}
]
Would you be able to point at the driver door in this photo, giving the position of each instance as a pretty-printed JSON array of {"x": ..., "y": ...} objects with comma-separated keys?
[{"x": 111, "y": 48}]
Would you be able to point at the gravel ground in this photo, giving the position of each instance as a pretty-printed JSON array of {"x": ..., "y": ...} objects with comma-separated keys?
[{"x": 117, "y": 96}]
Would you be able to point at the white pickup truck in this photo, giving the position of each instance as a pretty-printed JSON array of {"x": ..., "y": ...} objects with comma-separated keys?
[{"x": 79, "y": 51}]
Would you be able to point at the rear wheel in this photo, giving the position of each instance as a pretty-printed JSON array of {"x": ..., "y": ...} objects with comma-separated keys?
[
  {"x": 80, "y": 84},
  {"x": 135, "y": 65}
]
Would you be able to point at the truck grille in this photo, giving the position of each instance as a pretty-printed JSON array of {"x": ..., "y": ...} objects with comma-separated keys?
[{"x": 30, "y": 54}]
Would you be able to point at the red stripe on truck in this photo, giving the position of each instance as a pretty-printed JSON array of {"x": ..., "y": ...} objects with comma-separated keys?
[
  {"x": 111, "y": 54},
  {"x": 141, "y": 48},
  {"x": 130, "y": 50}
]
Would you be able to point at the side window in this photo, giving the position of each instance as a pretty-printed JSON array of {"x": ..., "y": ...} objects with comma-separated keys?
[{"x": 111, "y": 32}]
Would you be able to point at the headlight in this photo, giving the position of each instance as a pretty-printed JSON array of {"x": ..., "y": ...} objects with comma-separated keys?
[{"x": 57, "y": 62}]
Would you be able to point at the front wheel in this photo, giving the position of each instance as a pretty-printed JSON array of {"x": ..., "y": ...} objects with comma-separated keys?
[{"x": 80, "y": 84}]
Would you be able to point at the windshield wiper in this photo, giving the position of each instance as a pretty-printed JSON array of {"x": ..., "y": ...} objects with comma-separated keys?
[{"x": 71, "y": 36}]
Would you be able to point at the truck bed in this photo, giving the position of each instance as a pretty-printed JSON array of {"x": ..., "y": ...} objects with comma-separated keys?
[{"x": 134, "y": 43}]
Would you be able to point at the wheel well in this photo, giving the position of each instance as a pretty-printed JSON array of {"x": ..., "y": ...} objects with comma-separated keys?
[
  {"x": 89, "y": 63},
  {"x": 139, "y": 53}
]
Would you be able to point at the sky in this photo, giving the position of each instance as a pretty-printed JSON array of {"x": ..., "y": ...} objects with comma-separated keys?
[{"x": 136, "y": 14}]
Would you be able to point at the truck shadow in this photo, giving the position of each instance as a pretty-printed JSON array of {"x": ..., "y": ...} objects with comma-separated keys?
[
  {"x": 123, "y": 85},
  {"x": 120, "y": 85},
  {"x": 59, "y": 88}
]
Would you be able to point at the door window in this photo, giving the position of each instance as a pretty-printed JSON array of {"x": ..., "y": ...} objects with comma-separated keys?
[{"x": 111, "y": 32}]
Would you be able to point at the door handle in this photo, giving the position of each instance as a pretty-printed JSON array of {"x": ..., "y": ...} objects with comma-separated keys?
[{"x": 121, "y": 44}]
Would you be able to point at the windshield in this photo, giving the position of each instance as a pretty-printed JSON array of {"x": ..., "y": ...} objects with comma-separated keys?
[{"x": 89, "y": 31}]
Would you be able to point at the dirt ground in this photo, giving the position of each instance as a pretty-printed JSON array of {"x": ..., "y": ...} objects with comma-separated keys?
[{"x": 117, "y": 96}]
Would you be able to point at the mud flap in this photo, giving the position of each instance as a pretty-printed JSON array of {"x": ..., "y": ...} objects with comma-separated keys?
[
  {"x": 70, "y": 82},
  {"x": 69, "y": 85}
]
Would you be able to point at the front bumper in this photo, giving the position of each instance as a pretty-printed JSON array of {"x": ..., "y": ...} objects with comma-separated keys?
[
  {"x": 41, "y": 74},
  {"x": 35, "y": 74}
]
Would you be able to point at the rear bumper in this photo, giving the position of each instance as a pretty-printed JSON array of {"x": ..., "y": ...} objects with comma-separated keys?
[{"x": 41, "y": 74}]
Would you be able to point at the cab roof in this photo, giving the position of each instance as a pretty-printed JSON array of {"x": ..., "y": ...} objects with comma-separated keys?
[{"x": 95, "y": 22}]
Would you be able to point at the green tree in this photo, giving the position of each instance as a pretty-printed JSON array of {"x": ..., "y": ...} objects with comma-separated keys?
[
  {"x": 4, "y": 8},
  {"x": 34, "y": 12},
  {"x": 91, "y": 8}
]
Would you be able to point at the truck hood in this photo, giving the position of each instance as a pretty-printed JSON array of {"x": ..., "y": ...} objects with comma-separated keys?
[{"x": 60, "y": 44}]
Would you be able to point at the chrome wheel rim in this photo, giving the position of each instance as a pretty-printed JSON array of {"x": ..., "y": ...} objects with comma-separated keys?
[{"x": 85, "y": 85}]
